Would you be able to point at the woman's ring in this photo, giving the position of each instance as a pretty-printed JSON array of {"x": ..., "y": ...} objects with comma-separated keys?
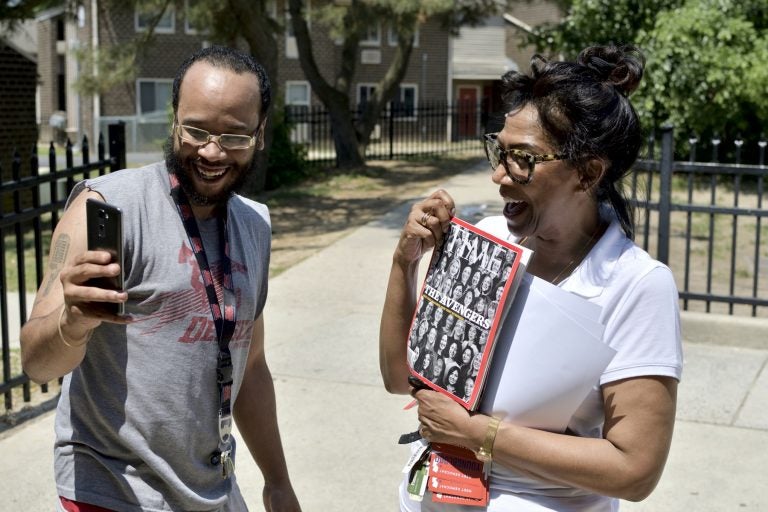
[{"x": 425, "y": 218}]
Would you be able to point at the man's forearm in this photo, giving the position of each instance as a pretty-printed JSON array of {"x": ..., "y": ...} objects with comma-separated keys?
[
  {"x": 256, "y": 416},
  {"x": 50, "y": 350}
]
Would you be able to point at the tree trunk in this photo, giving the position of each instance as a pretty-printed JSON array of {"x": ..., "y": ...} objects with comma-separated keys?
[
  {"x": 262, "y": 44},
  {"x": 349, "y": 152},
  {"x": 388, "y": 85}
]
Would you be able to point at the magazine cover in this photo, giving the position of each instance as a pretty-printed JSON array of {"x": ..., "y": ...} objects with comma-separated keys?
[{"x": 469, "y": 286}]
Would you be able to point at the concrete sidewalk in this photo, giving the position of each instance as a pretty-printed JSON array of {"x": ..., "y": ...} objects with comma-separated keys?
[{"x": 340, "y": 427}]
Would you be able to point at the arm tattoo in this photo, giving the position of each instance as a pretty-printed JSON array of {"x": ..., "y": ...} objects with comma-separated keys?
[{"x": 58, "y": 256}]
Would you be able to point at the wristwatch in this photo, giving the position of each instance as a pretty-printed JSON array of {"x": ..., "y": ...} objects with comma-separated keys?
[{"x": 485, "y": 453}]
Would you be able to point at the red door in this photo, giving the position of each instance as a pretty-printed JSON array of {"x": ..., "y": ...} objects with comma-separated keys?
[{"x": 467, "y": 112}]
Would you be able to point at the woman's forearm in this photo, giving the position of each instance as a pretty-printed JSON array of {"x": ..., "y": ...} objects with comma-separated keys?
[{"x": 396, "y": 319}]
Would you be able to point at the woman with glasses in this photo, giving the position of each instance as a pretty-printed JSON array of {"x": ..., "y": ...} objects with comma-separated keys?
[{"x": 570, "y": 135}]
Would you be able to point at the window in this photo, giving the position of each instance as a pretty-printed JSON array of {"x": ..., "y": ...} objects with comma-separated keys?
[
  {"x": 81, "y": 16},
  {"x": 296, "y": 93},
  {"x": 403, "y": 105},
  {"x": 364, "y": 92},
  {"x": 60, "y": 36},
  {"x": 61, "y": 85},
  {"x": 154, "y": 96},
  {"x": 392, "y": 38},
  {"x": 372, "y": 37},
  {"x": 297, "y": 110},
  {"x": 145, "y": 16},
  {"x": 291, "y": 50}
]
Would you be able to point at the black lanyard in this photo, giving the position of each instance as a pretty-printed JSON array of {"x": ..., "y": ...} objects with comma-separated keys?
[{"x": 224, "y": 314}]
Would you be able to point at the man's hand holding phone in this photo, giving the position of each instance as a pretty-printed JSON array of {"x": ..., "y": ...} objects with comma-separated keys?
[{"x": 103, "y": 263}]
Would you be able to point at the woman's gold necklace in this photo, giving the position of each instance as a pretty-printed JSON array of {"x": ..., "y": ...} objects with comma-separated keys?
[{"x": 580, "y": 255}]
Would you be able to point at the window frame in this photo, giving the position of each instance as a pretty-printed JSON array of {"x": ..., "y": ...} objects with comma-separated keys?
[
  {"x": 159, "y": 29},
  {"x": 289, "y": 83},
  {"x": 415, "y": 89},
  {"x": 392, "y": 37},
  {"x": 375, "y": 41},
  {"x": 403, "y": 85},
  {"x": 139, "y": 82}
]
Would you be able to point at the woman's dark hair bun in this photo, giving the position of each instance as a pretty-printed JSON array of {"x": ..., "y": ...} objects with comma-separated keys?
[{"x": 620, "y": 66}]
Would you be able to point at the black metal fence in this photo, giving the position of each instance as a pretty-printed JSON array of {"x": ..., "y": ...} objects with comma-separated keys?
[
  {"x": 30, "y": 206},
  {"x": 706, "y": 221},
  {"x": 430, "y": 128}
]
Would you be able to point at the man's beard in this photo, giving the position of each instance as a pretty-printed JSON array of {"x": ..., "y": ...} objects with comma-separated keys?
[{"x": 175, "y": 165}]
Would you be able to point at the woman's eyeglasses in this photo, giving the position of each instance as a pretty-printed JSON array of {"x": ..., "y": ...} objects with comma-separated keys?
[
  {"x": 518, "y": 164},
  {"x": 227, "y": 141}
]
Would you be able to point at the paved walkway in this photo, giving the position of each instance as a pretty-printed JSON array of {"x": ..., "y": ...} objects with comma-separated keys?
[{"x": 340, "y": 427}]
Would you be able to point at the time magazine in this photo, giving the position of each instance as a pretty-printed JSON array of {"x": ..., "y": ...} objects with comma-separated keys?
[{"x": 470, "y": 283}]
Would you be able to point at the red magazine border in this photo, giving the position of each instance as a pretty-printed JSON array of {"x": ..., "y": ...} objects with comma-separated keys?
[{"x": 474, "y": 399}]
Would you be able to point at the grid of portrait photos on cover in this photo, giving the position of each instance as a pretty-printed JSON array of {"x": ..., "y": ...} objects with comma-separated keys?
[{"x": 454, "y": 315}]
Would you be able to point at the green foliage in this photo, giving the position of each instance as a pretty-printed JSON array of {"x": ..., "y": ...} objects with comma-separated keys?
[
  {"x": 705, "y": 67},
  {"x": 105, "y": 67},
  {"x": 699, "y": 70},
  {"x": 16, "y": 11},
  {"x": 287, "y": 162},
  {"x": 402, "y": 15},
  {"x": 602, "y": 21}
]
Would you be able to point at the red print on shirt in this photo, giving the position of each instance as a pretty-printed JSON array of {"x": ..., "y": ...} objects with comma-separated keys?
[{"x": 192, "y": 306}]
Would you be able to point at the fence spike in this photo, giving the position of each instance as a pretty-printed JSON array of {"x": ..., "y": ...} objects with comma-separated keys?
[
  {"x": 715, "y": 144},
  {"x": 70, "y": 160},
  {"x": 52, "y": 158},
  {"x": 16, "y": 165},
  {"x": 693, "y": 140},
  {"x": 85, "y": 150},
  {"x": 100, "y": 146},
  {"x": 34, "y": 160},
  {"x": 651, "y": 143}
]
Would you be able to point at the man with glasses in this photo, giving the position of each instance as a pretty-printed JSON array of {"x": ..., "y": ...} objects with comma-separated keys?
[{"x": 145, "y": 416}]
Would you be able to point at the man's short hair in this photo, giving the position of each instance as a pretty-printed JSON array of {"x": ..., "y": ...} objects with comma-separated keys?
[{"x": 227, "y": 58}]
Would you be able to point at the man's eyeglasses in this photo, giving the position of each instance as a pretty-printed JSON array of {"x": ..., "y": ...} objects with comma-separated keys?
[
  {"x": 518, "y": 164},
  {"x": 198, "y": 137}
]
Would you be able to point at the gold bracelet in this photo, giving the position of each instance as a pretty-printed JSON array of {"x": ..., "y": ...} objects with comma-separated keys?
[
  {"x": 61, "y": 334},
  {"x": 485, "y": 452}
]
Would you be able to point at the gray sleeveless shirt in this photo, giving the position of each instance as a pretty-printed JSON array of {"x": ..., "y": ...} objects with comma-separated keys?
[{"x": 136, "y": 423}]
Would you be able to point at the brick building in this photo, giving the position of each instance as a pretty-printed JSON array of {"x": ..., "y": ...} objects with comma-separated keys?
[
  {"x": 464, "y": 68},
  {"x": 18, "y": 126}
]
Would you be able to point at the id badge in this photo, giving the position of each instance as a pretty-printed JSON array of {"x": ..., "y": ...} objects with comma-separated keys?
[{"x": 457, "y": 478}]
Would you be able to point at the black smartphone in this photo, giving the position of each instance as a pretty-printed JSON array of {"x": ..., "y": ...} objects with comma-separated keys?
[{"x": 105, "y": 233}]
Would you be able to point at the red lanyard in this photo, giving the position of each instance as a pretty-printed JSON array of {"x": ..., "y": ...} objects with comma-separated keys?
[{"x": 223, "y": 315}]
